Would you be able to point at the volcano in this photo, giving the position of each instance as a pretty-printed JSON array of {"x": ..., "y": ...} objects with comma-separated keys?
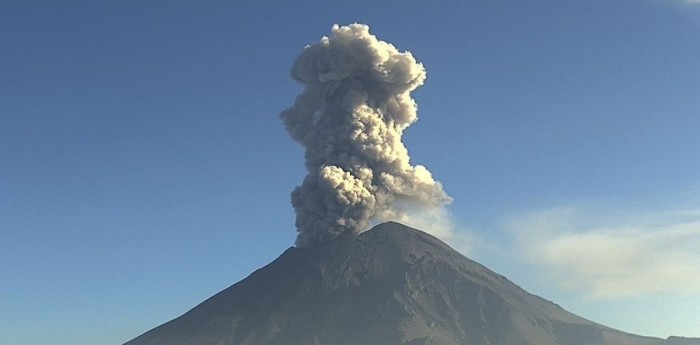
[{"x": 391, "y": 285}]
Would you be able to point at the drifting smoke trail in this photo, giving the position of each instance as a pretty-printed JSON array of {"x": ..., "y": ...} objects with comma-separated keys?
[{"x": 350, "y": 118}]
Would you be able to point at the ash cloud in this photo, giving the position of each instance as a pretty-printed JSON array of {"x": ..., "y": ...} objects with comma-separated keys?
[{"x": 350, "y": 118}]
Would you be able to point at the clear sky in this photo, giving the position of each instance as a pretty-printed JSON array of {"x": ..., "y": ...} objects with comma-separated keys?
[{"x": 144, "y": 167}]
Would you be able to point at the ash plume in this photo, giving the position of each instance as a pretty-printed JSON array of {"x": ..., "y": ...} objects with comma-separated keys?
[{"x": 350, "y": 118}]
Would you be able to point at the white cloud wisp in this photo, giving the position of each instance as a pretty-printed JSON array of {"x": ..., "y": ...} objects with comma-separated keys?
[{"x": 654, "y": 254}]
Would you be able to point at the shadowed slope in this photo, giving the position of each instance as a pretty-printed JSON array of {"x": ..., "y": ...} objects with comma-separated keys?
[{"x": 390, "y": 285}]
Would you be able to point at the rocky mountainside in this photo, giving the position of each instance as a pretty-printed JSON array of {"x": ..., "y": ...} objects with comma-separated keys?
[{"x": 390, "y": 285}]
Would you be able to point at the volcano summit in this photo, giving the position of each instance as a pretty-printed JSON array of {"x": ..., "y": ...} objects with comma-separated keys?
[{"x": 392, "y": 285}]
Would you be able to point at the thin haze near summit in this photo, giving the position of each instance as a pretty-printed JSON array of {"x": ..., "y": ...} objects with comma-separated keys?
[{"x": 350, "y": 119}]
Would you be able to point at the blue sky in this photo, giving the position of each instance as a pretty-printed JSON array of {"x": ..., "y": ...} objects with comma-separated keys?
[{"x": 143, "y": 165}]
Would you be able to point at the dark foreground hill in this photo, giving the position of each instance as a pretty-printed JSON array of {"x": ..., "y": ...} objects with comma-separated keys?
[{"x": 391, "y": 285}]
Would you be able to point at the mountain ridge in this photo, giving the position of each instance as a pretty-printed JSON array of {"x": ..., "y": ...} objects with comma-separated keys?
[{"x": 389, "y": 285}]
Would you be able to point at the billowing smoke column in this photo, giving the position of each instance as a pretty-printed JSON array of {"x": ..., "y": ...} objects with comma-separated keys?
[{"x": 350, "y": 118}]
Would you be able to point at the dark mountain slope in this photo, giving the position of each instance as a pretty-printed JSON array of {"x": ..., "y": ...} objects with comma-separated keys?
[{"x": 390, "y": 285}]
